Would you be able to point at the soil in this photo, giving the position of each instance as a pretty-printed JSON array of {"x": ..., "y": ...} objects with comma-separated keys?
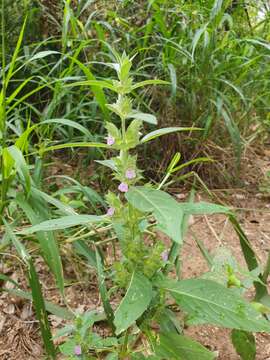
[{"x": 19, "y": 333}]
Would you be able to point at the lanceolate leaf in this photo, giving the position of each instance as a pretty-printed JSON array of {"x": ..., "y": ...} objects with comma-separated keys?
[
  {"x": 165, "y": 209},
  {"x": 36, "y": 291},
  {"x": 134, "y": 304},
  {"x": 249, "y": 255},
  {"x": 151, "y": 119},
  {"x": 244, "y": 344},
  {"x": 41, "y": 313},
  {"x": 207, "y": 302},
  {"x": 203, "y": 208},
  {"x": 73, "y": 145},
  {"x": 160, "y": 132},
  {"x": 103, "y": 291},
  {"x": 36, "y": 211},
  {"x": 178, "y": 347},
  {"x": 21, "y": 165},
  {"x": 63, "y": 223},
  {"x": 56, "y": 310}
]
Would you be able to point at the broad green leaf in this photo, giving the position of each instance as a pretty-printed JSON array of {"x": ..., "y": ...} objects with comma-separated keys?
[
  {"x": 207, "y": 302},
  {"x": 244, "y": 344},
  {"x": 160, "y": 132},
  {"x": 67, "y": 348},
  {"x": 149, "y": 118},
  {"x": 168, "y": 322},
  {"x": 178, "y": 347},
  {"x": 63, "y": 223},
  {"x": 165, "y": 209},
  {"x": 133, "y": 305},
  {"x": 203, "y": 208}
]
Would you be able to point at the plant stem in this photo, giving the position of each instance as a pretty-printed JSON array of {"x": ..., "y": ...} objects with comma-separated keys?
[
  {"x": 124, "y": 349},
  {"x": 267, "y": 269},
  {"x": 4, "y": 185}
]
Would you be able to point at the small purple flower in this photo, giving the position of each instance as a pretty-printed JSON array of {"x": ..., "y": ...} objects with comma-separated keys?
[
  {"x": 123, "y": 187},
  {"x": 130, "y": 174},
  {"x": 165, "y": 255},
  {"x": 78, "y": 350},
  {"x": 111, "y": 211},
  {"x": 110, "y": 140}
]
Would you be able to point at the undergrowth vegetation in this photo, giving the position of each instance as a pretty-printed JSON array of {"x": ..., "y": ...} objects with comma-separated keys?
[{"x": 96, "y": 78}]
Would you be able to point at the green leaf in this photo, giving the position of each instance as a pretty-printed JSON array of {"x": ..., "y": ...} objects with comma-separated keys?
[
  {"x": 134, "y": 304},
  {"x": 63, "y": 223},
  {"x": 249, "y": 255},
  {"x": 149, "y": 82},
  {"x": 207, "y": 302},
  {"x": 178, "y": 347},
  {"x": 103, "y": 291},
  {"x": 72, "y": 145},
  {"x": 108, "y": 163},
  {"x": 64, "y": 208},
  {"x": 173, "y": 77},
  {"x": 36, "y": 291},
  {"x": 132, "y": 137},
  {"x": 40, "y": 310},
  {"x": 168, "y": 322},
  {"x": 160, "y": 132},
  {"x": 244, "y": 344},
  {"x": 69, "y": 123},
  {"x": 149, "y": 118},
  {"x": 97, "y": 90},
  {"x": 83, "y": 249},
  {"x": 165, "y": 209},
  {"x": 50, "y": 307},
  {"x": 21, "y": 165},
  {"x": 36, "y": 211},
  {"x": 94, "y": 83},
  {"x": 203, "y": 208},
  {"x": 16, "y": 52}
]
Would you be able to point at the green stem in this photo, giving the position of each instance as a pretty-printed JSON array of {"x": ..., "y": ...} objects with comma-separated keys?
[{"x": 124, "y": 349}]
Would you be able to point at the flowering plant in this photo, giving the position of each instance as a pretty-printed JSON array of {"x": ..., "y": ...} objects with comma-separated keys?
[{"x": 136, "y": 215}]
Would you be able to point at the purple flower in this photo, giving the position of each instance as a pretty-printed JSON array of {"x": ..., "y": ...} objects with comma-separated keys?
[
  {"x": 110, "y": 140},
  {"x": 130, "y": 174},
  {"x": 111, "y": 211},
  {"x": 123, "y": 187},
  {"x": 165, "y": 255},
  {"x": 78, "y": 350}
]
